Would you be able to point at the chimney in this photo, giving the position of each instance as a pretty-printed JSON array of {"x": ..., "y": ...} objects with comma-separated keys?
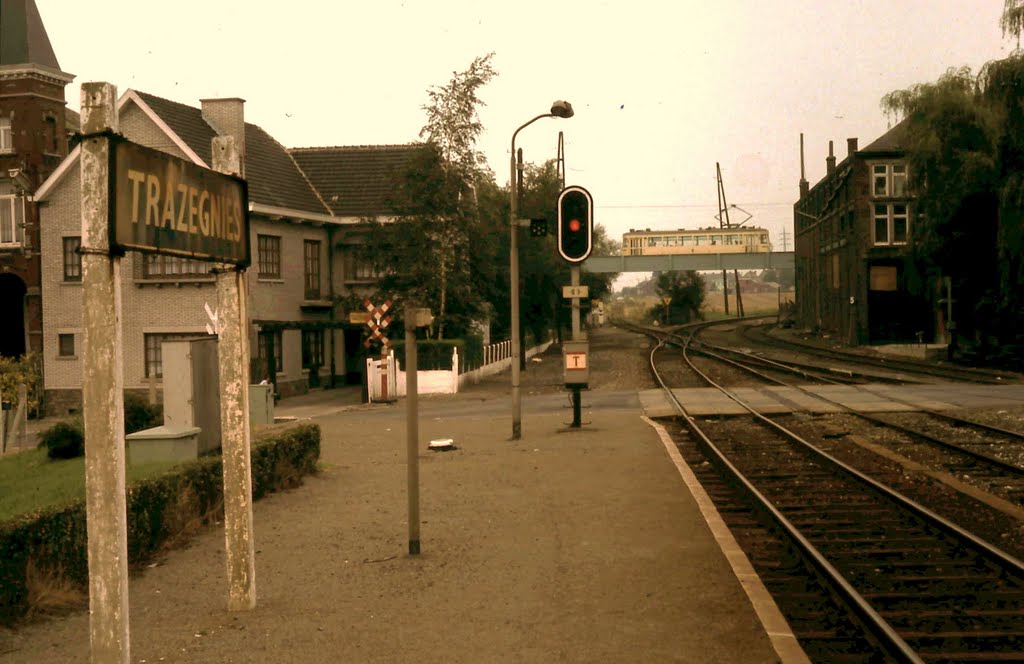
[
  {"x": 804, "y": 186},
  {"x": 227, "y": 117},
  {"x": 830, "y": 161},
  {"x": 851, "y": 146}
]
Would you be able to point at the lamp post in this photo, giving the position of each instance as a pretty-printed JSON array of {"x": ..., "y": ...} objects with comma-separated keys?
[{"x": 559, "y": 109}]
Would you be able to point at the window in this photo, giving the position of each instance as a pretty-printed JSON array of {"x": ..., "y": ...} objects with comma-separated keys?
[
  {"x": 269, "y": 250},
  {"x": 312, "y": 348},
  {"x": 881, "y": 224},
  {"x": 261, "y": 351},
  {"x": 66, "y": 345},
  {"x": 173, "y": 267},
  {"x": 835, "y": 270},
  {"x": 892, "y": 223},
  {"x": 72, "y": 259},
  {"x": 12, "y": 218},
  {"x": 50, "y": 135},
  {"x": 899, "y": 180},
  {"x": 311, "y": 251},
  {"x": 154, "y": 351},
  {"x": 888, "y": 180},
  {"x": 6, "y": 136}
]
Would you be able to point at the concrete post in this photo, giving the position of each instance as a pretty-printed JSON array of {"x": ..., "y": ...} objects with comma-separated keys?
[
  {"x": 574, "y": 280},
  {"x": 233, "y": 357},
  {"x": 103, "y": 388}
]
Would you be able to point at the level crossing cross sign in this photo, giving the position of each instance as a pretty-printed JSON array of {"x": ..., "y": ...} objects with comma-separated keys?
[{"x": 377, "y": 322}]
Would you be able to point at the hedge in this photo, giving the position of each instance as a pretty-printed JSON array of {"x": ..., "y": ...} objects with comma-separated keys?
[
  {"x": 434, "y": 354},
  {"x": 162, "y": 511}
]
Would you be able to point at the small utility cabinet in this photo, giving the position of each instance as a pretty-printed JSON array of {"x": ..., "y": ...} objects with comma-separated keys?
[{"x": 191, "y": 405}]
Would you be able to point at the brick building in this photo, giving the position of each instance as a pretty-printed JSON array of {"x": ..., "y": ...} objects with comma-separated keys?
[
  {"x": 302, "y": 266},
  {"x": 33, "y": 141},
  {"x": 852, "y": 231}
]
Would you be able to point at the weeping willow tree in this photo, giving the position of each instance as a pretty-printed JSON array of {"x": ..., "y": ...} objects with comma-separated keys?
[{"x": 964, "y": 135}]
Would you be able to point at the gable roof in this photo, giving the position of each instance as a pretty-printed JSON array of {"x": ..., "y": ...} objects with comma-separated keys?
[
  {"x": 892, "y": 141},
  {"x": 23, "y": 38},
  {"x": 360, "y": 180},
  {"x": 186, "y": 122},
  {"x": 274, "y": 178}
]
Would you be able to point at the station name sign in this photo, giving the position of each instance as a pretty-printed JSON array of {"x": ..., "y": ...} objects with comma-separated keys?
[{"x": 165, "y": 205}]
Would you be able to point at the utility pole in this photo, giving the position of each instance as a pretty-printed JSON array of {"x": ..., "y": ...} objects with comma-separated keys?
[{"x": 785, "y": 239}]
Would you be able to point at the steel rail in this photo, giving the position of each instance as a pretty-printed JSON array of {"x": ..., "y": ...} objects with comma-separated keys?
[
  {"x": 882, "y": 630},
  {"x": 1016, "y": 565},
  {"x": 965, "y": 374},
  {"x": 982, "y": 456}
]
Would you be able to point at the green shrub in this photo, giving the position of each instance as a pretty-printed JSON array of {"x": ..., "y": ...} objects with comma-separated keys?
[
  {"x": 436, "y": 354},
  {"x": 64, "y": 440},
  {"x": 162, "y": 511},
  {"x": 139, "y": 414},
  {"x": 15, "y": 371}
]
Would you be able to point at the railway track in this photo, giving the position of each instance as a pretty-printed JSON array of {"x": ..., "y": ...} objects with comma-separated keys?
[
  {"x": 993, "y": 458},
  {"x": 757, "y": 334},
  {"x": 916, "y": 586}
]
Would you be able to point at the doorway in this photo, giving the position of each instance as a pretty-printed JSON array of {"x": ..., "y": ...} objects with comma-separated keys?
[{"x": 12, "y": 312}]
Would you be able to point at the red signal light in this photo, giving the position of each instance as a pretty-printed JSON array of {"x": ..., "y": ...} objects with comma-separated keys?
[{"x": 575, "y": 224}]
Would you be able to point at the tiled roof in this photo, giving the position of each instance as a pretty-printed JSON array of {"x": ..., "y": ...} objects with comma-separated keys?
[
  {"x": 893, "y": 140},
  {"x": 185, "y": 121},
  {"x": 357, "y": 181},
  {"x": 23, "y": 38},
  {"x": 273, "y": 177}
]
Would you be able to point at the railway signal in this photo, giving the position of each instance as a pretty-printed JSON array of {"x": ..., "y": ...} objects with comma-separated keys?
[
  {"x": 538, "y": 227},
  {"x": 575, "y": 224}
]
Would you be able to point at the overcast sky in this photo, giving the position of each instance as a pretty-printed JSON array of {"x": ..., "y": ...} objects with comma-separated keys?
[{"x": 662, "y": 91}]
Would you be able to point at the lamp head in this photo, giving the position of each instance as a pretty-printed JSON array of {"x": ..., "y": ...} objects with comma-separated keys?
[{"x": 561, "y": 109}]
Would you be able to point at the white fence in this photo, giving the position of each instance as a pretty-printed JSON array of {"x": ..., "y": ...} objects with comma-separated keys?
[{"x": 388, "y": 384}]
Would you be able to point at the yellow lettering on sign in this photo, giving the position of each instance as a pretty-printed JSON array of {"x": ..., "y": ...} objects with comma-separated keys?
[
  {"x": 168, "y": 216},
  {"x": 204, "y": 212},
  {"x": 137, "y": 178},
  {"x": 152, "y": 199},
  {"x": 182, "y": 221},
  {"x": 216, "y": 216},
  {"x": 192, "y": 226}
]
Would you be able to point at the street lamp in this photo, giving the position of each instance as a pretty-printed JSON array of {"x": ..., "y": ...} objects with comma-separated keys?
[{"x": 559, "y": 109}]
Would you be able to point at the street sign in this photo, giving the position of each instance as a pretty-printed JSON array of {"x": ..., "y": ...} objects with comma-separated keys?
[
  {"x": 166, "y": 205},
  {"x": 575, "y": 291},
  {"x": 359, "y": 317}
]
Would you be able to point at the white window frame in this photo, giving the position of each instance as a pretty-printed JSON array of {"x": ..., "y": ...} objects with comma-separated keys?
[
  {"x": 888, "y": 212},
  {"x": 12, "y": 228},
  {"x": 888, "y": 171},
  {"x": 6, "y": 135}
]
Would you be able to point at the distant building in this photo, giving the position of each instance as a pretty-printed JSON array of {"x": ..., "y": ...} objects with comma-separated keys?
[
  {"x": 852, "y": 230},
  {"x": 33, "y": 141}
]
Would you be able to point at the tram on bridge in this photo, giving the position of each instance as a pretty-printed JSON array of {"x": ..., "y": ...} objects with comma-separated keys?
[{"x": 712, "y": 240}]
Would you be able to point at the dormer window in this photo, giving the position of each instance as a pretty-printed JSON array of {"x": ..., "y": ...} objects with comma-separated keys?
[{"x": 6, "y": 136}]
